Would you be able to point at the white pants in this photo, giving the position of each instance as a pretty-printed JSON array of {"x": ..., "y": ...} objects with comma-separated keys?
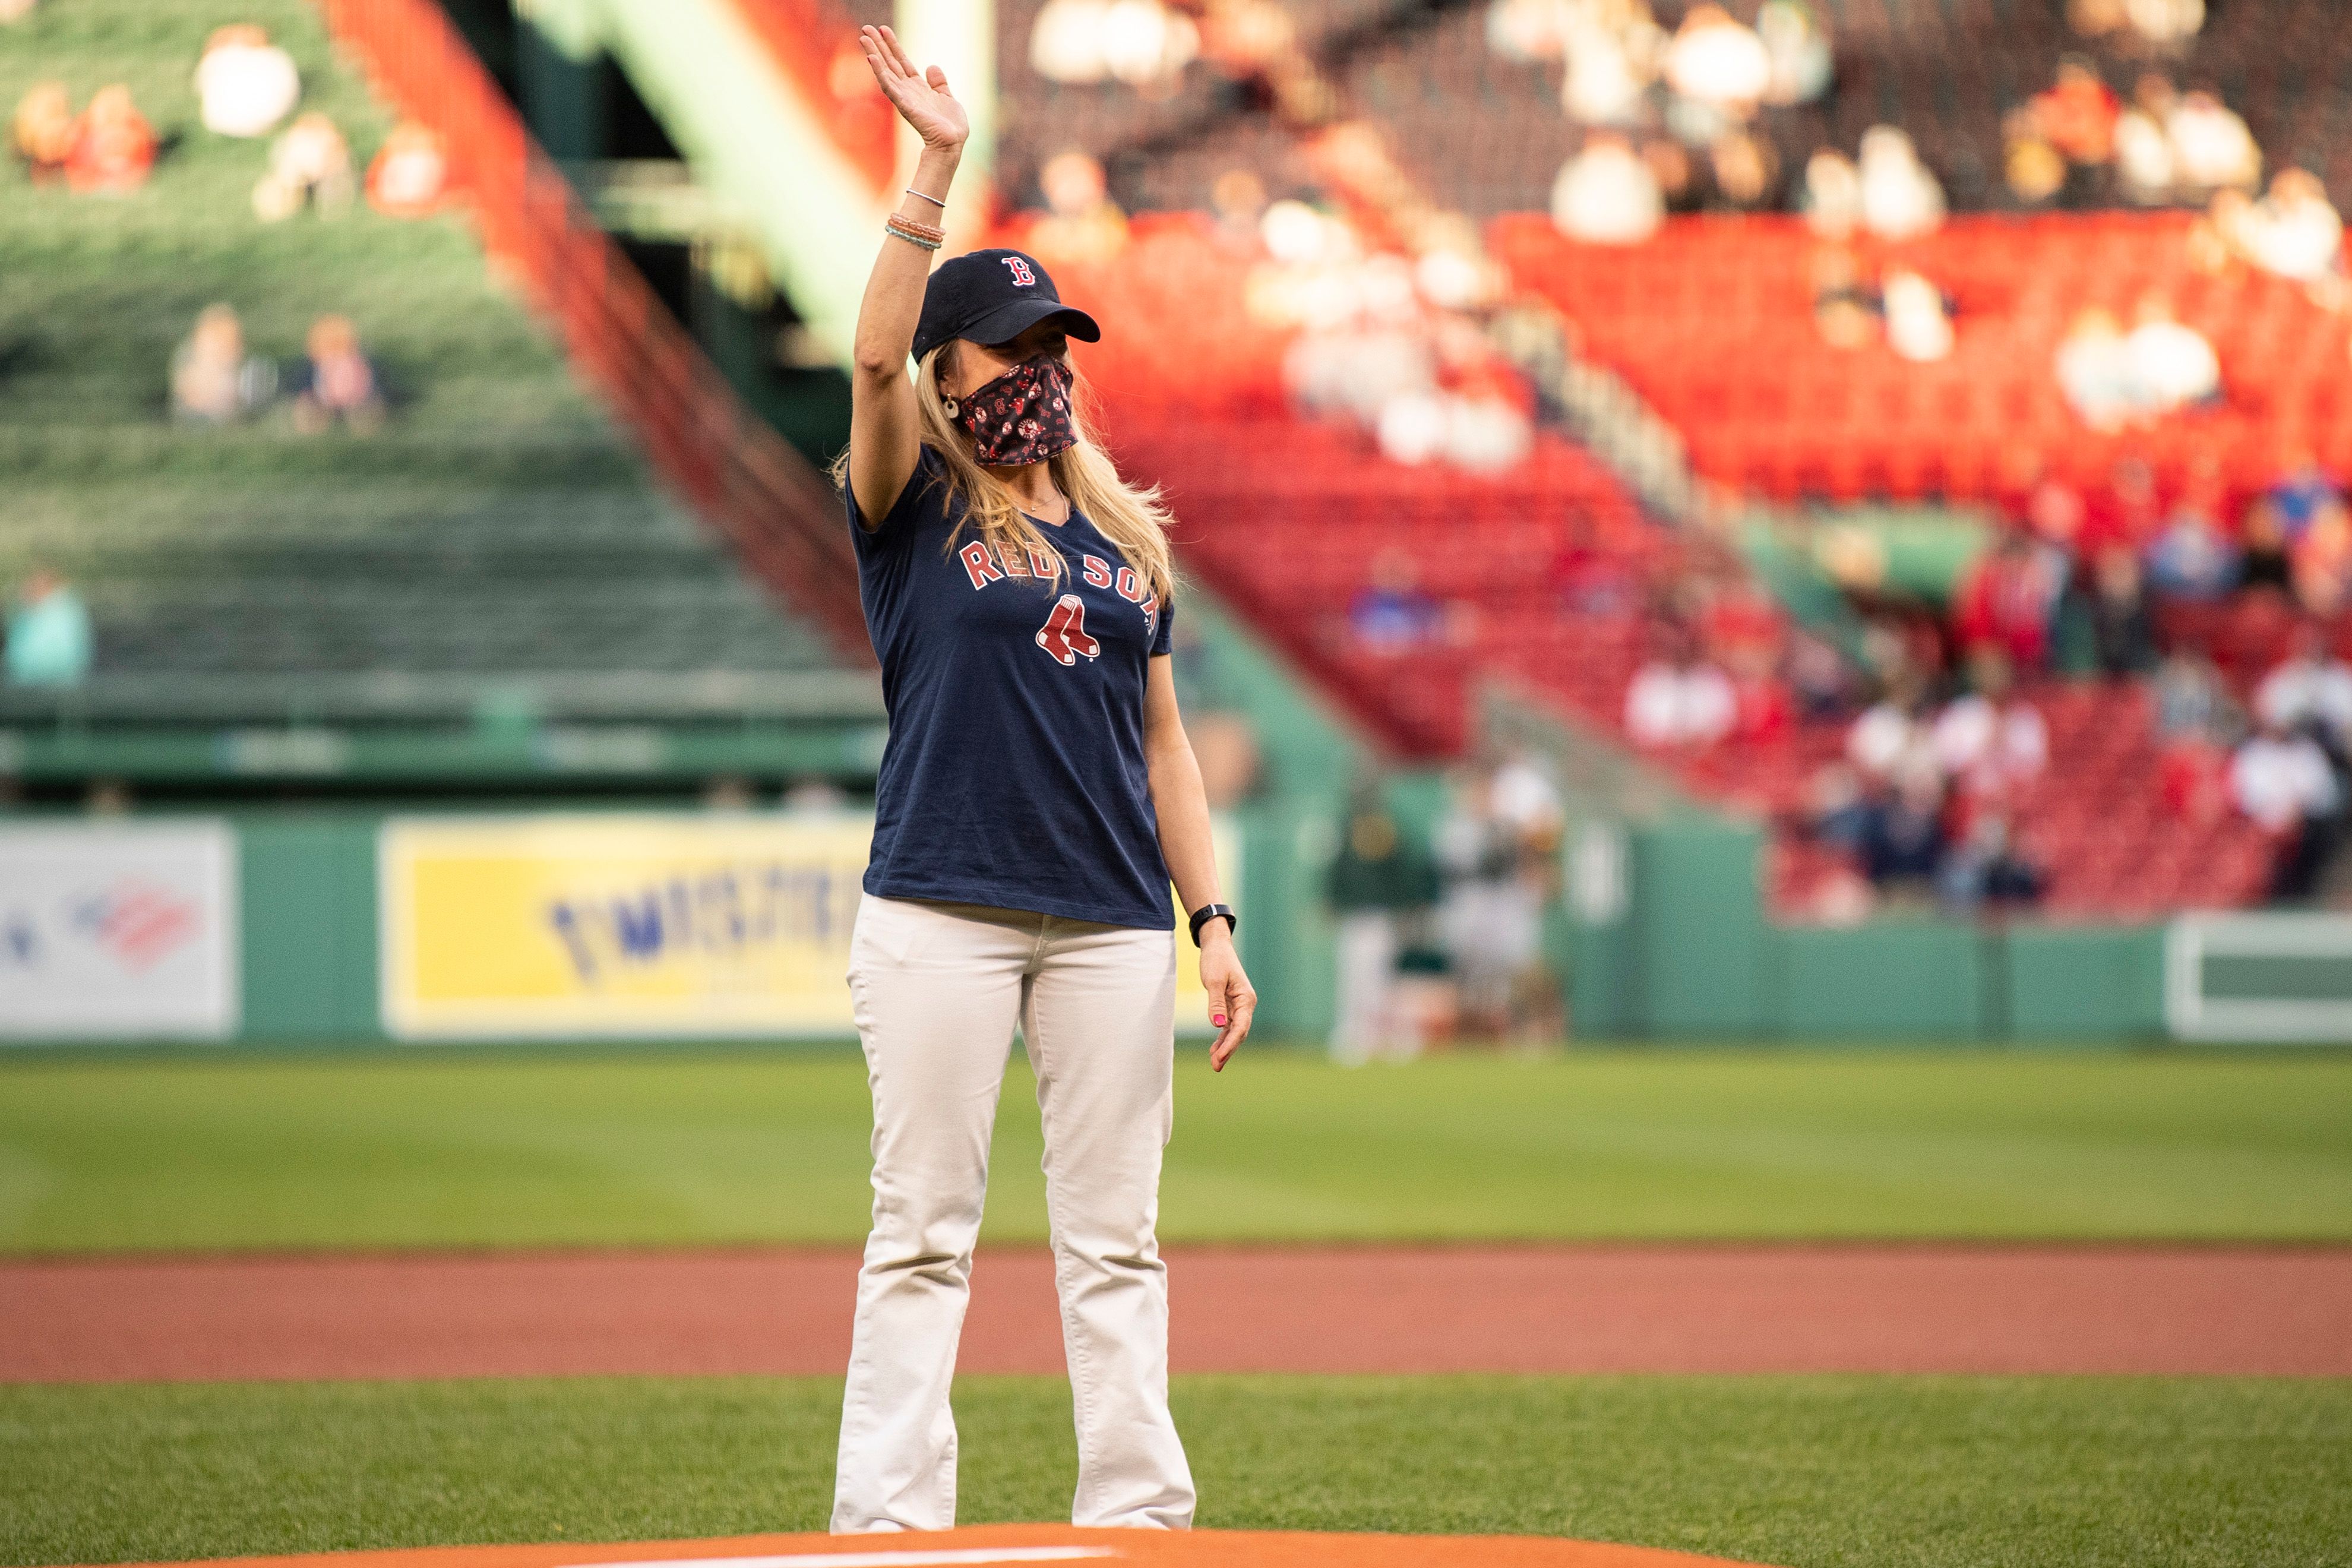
[
  {"x": 937, "y": 989},
  {"x": 1367, "y": 950}
]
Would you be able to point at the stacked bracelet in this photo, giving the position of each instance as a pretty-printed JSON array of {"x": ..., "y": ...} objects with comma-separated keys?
[{"x": 929, "y": 237}]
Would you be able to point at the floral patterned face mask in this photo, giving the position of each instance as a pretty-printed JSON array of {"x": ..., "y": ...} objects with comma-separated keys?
[{"x": 1022, "y": 416}]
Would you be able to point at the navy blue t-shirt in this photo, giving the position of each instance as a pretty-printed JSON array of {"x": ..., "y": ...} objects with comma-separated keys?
[{"x": 1014, "y": 774}]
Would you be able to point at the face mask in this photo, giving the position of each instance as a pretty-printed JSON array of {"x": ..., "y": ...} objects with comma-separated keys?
[{"x": 1022, "y": 416}]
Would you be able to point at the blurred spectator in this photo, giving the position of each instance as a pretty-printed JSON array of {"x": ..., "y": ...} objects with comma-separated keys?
[
  {"x": 1490, "y": 914},
  {"x": 2211, "y": 148},
  {"x": 1391, "y": 613},
  {"x": 1900, "y": 199},
  {"x": 1990, "y": 741},
  {"x": 1670, "y": 168},
  {"x": 1918, "y": 327},
  {"x": 1606, "y": 195},
  {"x": 1818, "y": 679},
  {"x": 214, "y": 380},
  {"x": 2095, "y": 371},
  {"x": 1524, "y": 798},
  {"x": 1238, "y": 199},
  {"x": 1743, "y": 170},
  {"x": 2294, "y": 231},
  {"x": 1082, "y": 223},
  {"x": 48, "y": 633},
  {"x": 1986, "y": 868},
  {"x": 1526, "y": 803},
  {"x": 310, "y": 164},
  {"x": 2282, "y": 782},
  {"x": 2123, "y": 628},
  {"x": 812, "y": 796},
  {"x": 1137, "y": 42},
  {"x": 1716, "y": 61},
  {"x": 410, "y": 174},
  {"x": 1611, "y": 63},
  {"x": 2146, "y": 171},
  {"x": 1527, "y": 31},
  {"x": 1762, "y": 708},
  {"x": 2321, "y": 562},
  {"x": 336, "y": 381},
  {"x": 2300, "y": 494},
  {"x": 1797, "y": 42},
  {"x": 2033, "y": 168},
  {"x": 2164, "y": 23},
  {"x": 2008, "y": 599},
  {"x": 245, "y": 83},
  {"x": 114, "y": 147},
  {"x": 1832, "y": 198},
  {"x": 2078, "y": 113},
  {"x": 2194, "y": 720},
  {"x": 42, "y": 134},
  {"x": 1839, "y": 809},
  {"x": 2217, "y": 240},
  {"x": 2192, "y": 698},
  {"x": 2310, "y": 692},
  {"x": 1679, "y": 699},
  {"x": 1845, "y": 311},
  {"x": 2262, "y": 562},
  {"x": 1896, "y": 734},
  {"x": 1376, "y": 880},
  {"x": 1903, "y": 839},
  {"x": 2172, "y": 365},
  {"x": 2191, "y": 558}
]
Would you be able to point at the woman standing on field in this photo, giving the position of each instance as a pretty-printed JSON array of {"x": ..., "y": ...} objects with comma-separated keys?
[{"x": 1036, "y": 796}]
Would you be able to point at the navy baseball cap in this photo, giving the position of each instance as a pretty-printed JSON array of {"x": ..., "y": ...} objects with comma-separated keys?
[{"x": 993, "y": 297}]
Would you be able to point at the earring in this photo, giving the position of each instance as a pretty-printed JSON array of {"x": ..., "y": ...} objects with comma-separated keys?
[{"x": 950, "y": 406}]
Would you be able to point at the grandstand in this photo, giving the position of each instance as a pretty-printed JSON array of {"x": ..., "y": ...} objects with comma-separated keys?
[{"x": 492, "y": 585}]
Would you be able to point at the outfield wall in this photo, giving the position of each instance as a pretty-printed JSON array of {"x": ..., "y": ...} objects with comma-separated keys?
[
  {"x": 1690, "y": 954},
  {"x": 331, "y": 928}
]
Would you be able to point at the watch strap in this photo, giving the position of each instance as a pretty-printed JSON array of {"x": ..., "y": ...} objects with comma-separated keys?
[{"x": 1208, "y": 913}]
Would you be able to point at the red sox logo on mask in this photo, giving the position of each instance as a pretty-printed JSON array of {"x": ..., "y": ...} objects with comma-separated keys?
[{"x": 1022, "y": 275}]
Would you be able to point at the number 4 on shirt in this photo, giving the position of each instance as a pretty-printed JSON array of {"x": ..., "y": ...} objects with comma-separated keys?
[{"x": 1064, "y": 633}]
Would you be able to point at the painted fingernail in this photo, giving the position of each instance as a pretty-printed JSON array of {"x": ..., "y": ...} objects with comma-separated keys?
[{"x": 1218, "y": 1019}]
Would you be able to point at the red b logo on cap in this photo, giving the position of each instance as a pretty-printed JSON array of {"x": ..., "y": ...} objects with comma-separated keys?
[{"x": 1021, "y": 273}]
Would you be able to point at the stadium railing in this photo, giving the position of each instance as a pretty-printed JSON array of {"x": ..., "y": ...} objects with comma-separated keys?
[{"x": 779, "y": 513}]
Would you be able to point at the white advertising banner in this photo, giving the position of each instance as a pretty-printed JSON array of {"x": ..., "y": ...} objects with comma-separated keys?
[{"x": 118, "y": 931}]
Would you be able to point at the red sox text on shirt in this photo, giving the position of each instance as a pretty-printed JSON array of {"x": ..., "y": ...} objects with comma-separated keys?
[{"x": 1064, "y": 635}]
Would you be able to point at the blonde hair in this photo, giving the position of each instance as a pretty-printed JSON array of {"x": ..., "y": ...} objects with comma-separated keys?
[{"x": 1133, "y": 517}]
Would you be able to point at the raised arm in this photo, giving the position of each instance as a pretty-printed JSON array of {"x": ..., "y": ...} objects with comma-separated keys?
[{"x": 882, "y": 412}]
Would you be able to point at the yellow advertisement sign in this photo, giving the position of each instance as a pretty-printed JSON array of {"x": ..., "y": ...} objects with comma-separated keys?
[{"x": 628, "y": 924}]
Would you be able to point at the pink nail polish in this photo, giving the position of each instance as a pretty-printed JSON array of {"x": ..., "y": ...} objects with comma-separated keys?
[{"x": 1218, "y": 1019}]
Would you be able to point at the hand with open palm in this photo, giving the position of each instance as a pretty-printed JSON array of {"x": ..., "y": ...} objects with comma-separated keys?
[{"x": 921, "y": 96}]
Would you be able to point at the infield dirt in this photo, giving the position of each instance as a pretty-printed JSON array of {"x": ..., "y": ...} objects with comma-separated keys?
[{"x": 2218, "y": 1310}]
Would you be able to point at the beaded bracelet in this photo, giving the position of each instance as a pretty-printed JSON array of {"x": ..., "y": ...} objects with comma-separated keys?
[{"x": 914, "y": 233}]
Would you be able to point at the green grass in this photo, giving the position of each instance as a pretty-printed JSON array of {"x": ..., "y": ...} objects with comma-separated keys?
[
  {"x": 2078, "y": 1473},
  {"x": 652, "y": 1148}
]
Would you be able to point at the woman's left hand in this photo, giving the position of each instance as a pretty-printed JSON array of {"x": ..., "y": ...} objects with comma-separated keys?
[{"x": 1232, "y": 999}]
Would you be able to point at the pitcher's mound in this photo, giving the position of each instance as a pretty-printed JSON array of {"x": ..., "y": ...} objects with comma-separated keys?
[{"x": 1015, "y": 1544}]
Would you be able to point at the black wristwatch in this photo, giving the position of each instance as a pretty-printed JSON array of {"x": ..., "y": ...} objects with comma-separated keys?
[{"x": 1208, "y": 913}]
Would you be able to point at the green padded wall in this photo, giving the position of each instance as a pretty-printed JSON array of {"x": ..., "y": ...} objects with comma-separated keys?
[{"x": 307, "y": 887}]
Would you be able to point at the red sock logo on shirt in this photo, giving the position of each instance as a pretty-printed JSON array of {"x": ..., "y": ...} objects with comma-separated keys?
[{"x": 1064, "y": 633}]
